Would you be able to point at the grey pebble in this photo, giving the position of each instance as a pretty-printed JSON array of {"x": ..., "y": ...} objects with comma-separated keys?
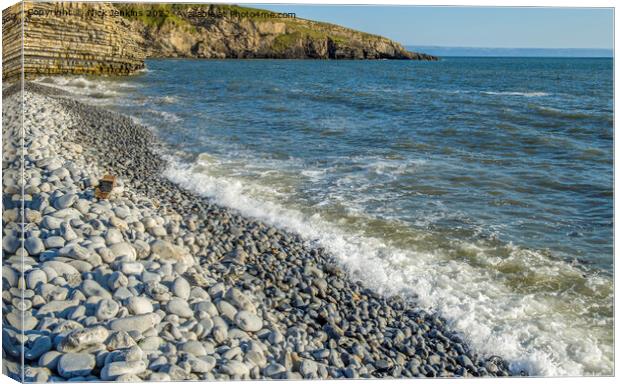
[
  {"x": 75, "y": 364},
  {"x": 113, "y": 370},
  {"x": 107, "y": 309},
  {"x": 248, "y": 321},
  {"x": 138, "y": 305},
  {"x": 179, "y": 307}
]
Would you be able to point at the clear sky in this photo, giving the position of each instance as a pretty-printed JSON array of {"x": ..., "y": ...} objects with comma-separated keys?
[{"x": 471, "y": 26}]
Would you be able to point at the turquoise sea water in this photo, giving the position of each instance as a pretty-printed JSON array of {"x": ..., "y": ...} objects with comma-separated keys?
[{"x": 480, "y": 187}]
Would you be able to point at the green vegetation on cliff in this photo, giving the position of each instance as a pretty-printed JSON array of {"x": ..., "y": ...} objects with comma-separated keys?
[
  {"x": 153, "y": 15},
  {"x": 231, "y": 31}
]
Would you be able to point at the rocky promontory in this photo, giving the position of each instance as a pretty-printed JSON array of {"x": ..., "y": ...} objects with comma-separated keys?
[
  {"x": 115, "y": 39},
  {"x": 227, "y": 31}
]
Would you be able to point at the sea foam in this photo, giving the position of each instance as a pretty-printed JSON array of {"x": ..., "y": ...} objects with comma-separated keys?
[{"x": 531, "y": 330}]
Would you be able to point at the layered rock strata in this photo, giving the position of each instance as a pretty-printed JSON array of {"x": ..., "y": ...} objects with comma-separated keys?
[{"x": 68, "y": 38}]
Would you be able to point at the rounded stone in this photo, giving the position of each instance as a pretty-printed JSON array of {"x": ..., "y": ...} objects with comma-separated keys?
[
  {"x": 51, "y": 222},
  {"x": 10, "y": 243},
  {"x": 65, "y": 201},
  {"x": 113, "y": 236},
  {"x": 92, "y": 288},
  {"x": 67, "y": 232},
  {"x": 137, "y": 323},
  {"x": 35, "y": 277},
  {"x": 181, "y": 288},
  {"x": 308, "y": 368},
  {"x": 248, "y": 321},
  {"x": 118, "y": 368},
  {"x": 274, "y": 369},
  {"x": 55, "y": 242},
  {"x": 235, "y": 368},
  {"x": 132, "y": 268},
  {"x": 50, "y": 360},
  {"x": 41, "y": 345},
  {"x": 179, "y": 307},
  {"x": 227, "y": 310},
  {"x": 194, "y": 347},
  {"x": 34, "y": 245},
  {"x": 123, "y": 249},
  {"x": 107, "y": 309},
  {"x": 139, "y": 305},
  {"x": 75, "y": 364}
]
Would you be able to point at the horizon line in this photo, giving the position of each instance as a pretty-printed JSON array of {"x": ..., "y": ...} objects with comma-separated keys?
[{"x": 483, "y": 47}]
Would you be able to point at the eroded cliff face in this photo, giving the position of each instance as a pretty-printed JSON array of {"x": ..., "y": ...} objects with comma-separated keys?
[
  {"x": 11, "y": 41},
  {"x": 114, "y": 39},
  {"x": 219, "y": 31},
  {"x": 63, "y": 38}
]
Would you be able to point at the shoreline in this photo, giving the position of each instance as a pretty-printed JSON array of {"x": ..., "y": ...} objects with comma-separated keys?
[{"x": 236, "y": 298}]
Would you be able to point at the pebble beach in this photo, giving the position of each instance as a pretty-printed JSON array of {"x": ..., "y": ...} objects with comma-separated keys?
[{"x": 156, "y": 283}]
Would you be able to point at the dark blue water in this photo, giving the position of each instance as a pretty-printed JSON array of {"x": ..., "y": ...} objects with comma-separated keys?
[
  {"x": 469, "y": 181},
  {"x": 520, "y": 149}
]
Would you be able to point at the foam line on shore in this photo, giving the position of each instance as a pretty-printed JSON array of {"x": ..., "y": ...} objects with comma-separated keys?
[{"x": 493, "y": 318}]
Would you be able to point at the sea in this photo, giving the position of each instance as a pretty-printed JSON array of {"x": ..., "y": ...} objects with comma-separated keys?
[{"x": 479, "y": 188}]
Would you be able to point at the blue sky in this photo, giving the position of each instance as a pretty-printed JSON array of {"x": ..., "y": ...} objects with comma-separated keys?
[{"x": 471, "y": 26}]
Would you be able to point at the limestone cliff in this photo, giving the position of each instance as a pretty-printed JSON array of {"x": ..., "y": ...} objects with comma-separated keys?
[
  {"x": 225, "y": 31},
  {"x": 61, "y": 38},
  {"x": 11, "y": 41},
  {"x": 114, "y": 39}
]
